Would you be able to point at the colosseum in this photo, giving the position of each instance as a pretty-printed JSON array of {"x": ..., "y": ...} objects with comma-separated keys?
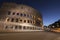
[{"x": 18, "y": 17}]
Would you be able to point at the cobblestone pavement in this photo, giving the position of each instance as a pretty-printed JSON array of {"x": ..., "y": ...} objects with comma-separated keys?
[{"x": 30, "y": 36}]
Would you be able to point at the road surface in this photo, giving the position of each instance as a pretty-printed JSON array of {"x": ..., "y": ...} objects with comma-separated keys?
[{"x": 30, "y": 36}]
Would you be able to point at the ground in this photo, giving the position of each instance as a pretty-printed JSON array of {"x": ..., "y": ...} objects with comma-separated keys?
[{"x": 30, "y": 36}]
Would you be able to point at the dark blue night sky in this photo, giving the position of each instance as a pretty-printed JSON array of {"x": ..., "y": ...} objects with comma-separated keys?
[{"x": 50, "y": 9}]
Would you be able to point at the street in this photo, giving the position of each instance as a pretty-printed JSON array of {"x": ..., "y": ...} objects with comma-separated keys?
[{"x": 30, "y": 36}]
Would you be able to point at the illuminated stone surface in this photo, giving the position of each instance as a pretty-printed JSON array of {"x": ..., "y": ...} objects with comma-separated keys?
[{"x": 18, "y": 17}]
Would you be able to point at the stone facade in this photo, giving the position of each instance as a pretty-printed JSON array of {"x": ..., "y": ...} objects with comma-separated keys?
[{"x": 18, "y": 17}]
